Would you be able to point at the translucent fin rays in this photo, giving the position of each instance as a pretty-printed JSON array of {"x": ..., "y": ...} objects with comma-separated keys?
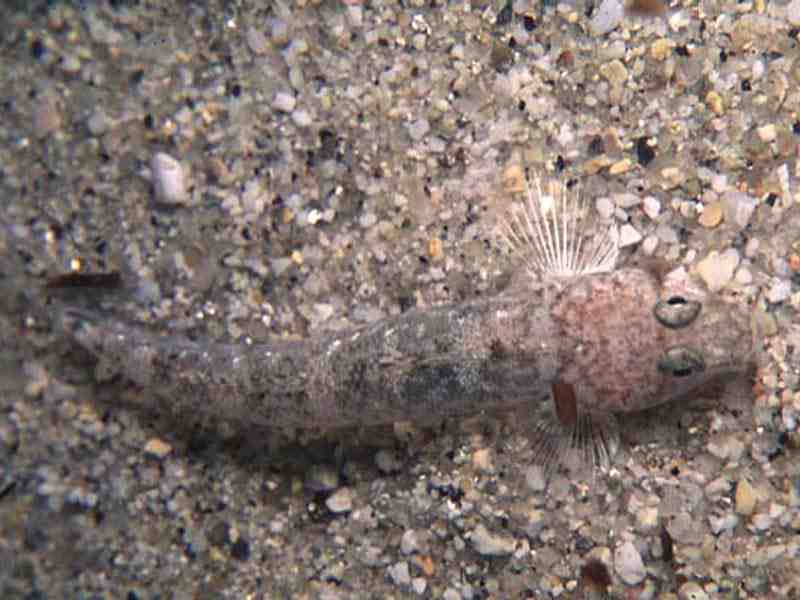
[
  {"x": 581, "y": 449},
  {"x": 549, "y": 232}
]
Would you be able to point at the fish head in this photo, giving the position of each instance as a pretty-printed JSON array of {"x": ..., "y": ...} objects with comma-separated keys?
[{"x": 633, "y": 340}]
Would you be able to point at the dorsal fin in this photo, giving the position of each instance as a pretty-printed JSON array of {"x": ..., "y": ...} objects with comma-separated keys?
[{"x": 550, "y": 232}]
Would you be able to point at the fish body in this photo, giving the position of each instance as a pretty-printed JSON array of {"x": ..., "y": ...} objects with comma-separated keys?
[
  {"x": 596, "y": 339},
  {"x": 597, "y": 333},
  {"x": 420, "y": 365}
]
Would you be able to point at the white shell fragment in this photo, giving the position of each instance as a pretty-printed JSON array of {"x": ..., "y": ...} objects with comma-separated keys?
[{"x": 169, "y": 180}]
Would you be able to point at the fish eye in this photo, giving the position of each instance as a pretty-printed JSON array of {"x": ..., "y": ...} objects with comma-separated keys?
[
  {"x": 681, "y": 361},
  {"x": 676, "y": 311}
]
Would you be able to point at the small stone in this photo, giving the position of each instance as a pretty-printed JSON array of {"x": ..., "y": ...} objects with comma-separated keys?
[
  {"x": 605, "y": 207},
  {"x": 596, "y": 164},
  {"x": 279, "y": 32},
  {"x": 257, "y": 41},
  {"x": 673, "y": 177},
  {"x": 762, "y": 522},
  {"x": 418, "y": 129},
  {"x": 766, "y": 324},
  {"x": 435, "y": 248},
  {"x": 719, "y": 183},
  {"x": 622, "y": 166},
  {"x": 683, "y": 529},
  {"x": 745, "y": 498},
  {"x": 514, "y": 179},
  {"x": 751, "y": 249},
  {"x": 651, "y": 207},
  {"x": 341, "y": 501},
  {"x": 711, "y": 216},
  {"x": 284, "y": 102},
  {"x": 726, "y": 447},
  {"x": 157, "y": 448},
  {"x": 744, "y": 276},
  {"x": 321, "y": 478},
  {"x": 368, "y": 219},
  {"x": 552, "y": 585},
  {"x": 482, "y": 460},
  {"x": 719, "y": 487},
  {"x": 322, "y": 311},
  {"x": 97, "y": 123},
  {"x": 627, "y": 200},
  {"x": 628, "y": 564},
  {"x": 38, "y": 379},
  {"x": 409, "y": 543},
  {"x": 535, "y": 478},
  {"x": 717, "y": 269},
  {"x": 501, "y": 57},
  {"x": 302, "y": 118},
  {"x": 615, "y": 72},
  {"x": 667, "y": 234},
  {"x": 779, "y": 291},
  {"x": 649, "y": 245},
  {"x": 46, "y": 116},
  {"x": 738, "y": 207},
  {"x": 427, "y": 564},
  {"x": 647, "y": 518},
  {"x": 355, "y": 15},
  {"x": 628, "y": 236},
  {"x": 451, "y": 594},
  {"x": 725, "y": 522},
  {"x": 607, "y": 16},
  {"x": 387, "y": 462},
  {"x": 169, "y": 180},
  {"x": 419, "y": 585},
  {"x": 662, "y": 48},
  {"x": 692, "y": 591},
  {"x": 767, "y": 133},
  {"x": 679, "y": 19},
  {"x": 70, "y": 64},
  {"x": 793, "y": 13},
  {"x": 280, "y": 265},
  {"x": 714, "y": 102},
  {"x": 534, "y": 522},
  {"x": 400, "y": 574},
  {"x": 487, "y": 543},
  {"x": 313, "y": 217}
]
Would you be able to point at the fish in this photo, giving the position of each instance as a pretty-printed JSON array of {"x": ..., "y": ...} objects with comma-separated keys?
[{"x": 575, "y": 337}]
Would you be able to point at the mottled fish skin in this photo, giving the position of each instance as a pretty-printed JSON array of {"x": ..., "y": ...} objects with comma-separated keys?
[
  {"x": 596, "y": 339},
  {"x": 603, "y": 334},
  {"x": 421, "y": 365},
  {"x": 632, "y": 342}
]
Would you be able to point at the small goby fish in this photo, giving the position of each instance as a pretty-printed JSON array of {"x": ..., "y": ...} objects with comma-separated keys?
[{"x": 577, "y": 331}]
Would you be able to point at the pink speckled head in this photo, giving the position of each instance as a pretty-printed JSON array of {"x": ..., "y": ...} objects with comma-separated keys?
[{"x": 632, "y": 342}]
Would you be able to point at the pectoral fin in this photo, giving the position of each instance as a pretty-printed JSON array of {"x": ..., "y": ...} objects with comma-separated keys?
[
  {"x": 565, "y": 403},
  {"x": 577, "y": 441}
]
